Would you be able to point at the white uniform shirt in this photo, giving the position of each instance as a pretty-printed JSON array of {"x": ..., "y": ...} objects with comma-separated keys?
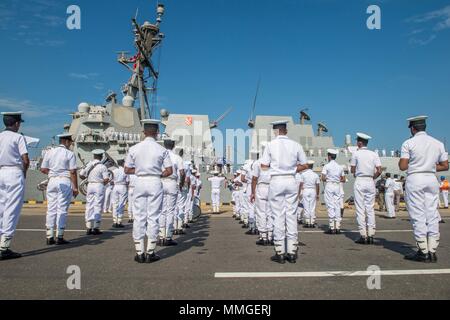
[
  {"x": 398, "y": 186},
  {"x": 423, "y": 153},
  {"x": 248, "y": 168},
  {"x": 333, "y": 171},
  {"x": 59, "y": 161},
  {"x": 97, "y": 174},
  {"x": 148, "y": 158},
  {"x": 283, "y": 155},
  {"x": 310, "y": 179},
  {"x": 12, "y": 147},
  {"x": 389, "y": 186},
  {"x": 177, "y": 164},
  {"x": 120, "y": 177},
  {"x": 365, "y": 162},
  {"x": 262, "y": 175},
  {"x": 132, "y": 180},
  {"x": 216, "y": 182}
]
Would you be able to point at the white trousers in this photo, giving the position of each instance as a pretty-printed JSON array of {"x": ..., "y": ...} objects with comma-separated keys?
[
  {"x": 181, "y": 205},
  {"x": 215, "y": 197},
  {"x": 283, "y": 200},
  {"x": 422, "y": 201},
  {"x": 445, "y": 197},
  {"x": 189, "y": 207},
  {"x": 108, "y": 204},
  {"x": 264, "y": 221},
  {"x": 119, "y": 199},
  {"x": 309, "y": 204},
  {"x": 242, "y": 212},
  {"x": 12, "y": 191},
  {"x": 249, "y": 207},
  {"x": 333, "y": 198},
  {"x": 147, "y": 207},
  {"x": 166, "y": 221},
  {"x": 234, "y": 197},
  {"x": 389, "y": 202},
  {"x": 95, "y": 198},
  {"x": 59, "y": 195},
  {"x": 364, "y": 190},
  {"x": 130, "y": 201}
]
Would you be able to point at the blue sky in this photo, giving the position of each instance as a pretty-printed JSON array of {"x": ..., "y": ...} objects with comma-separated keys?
[{"x": 318, "y": 54}]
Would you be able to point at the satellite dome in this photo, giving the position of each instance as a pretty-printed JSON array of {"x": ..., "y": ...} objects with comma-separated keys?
[
  {"x": 128, "y": 101},
  {"x": 83, "y": 107},
  {"x": 164, "y": 113}
]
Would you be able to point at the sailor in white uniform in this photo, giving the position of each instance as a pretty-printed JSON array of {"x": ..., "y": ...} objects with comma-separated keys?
[
  {"x": 309, "y": 189},
  {"x": 107, "y": 203},
  {"x": 198, "y": 189},
  {"x": 170, "y": 192},
  {"x": 97, "y": 176},
  {"x": 190, "y": 199},
  {"x": 182, "y": 199},
  {"x": 242, "y": 208},
  {"x": 150, "y": 162},
  {"x": 119, "y": 195},
  {"x": 284, "y": 157},
  {"x": 131, "y": 185},
  {"x": 333, "y": 175},
  {"x": 260, "y": 197},
  {"x": 60, "y": 165},
  {"x": 14, "y": 163},
  {"x": 389, "y": 195},
  {"x": 366, "y": 167},
  {"x": 422, "y": 156},
  {"x": 216, "y": 183},
  {"x": 235, "y": 195}
]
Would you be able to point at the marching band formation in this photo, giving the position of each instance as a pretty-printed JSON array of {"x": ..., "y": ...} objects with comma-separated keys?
[{"x": 270, "y": 195}]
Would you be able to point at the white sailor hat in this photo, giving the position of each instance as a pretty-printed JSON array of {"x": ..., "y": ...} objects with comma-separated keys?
[
  {"x": 279, "y": 123},
  {"x": 98, "y": 152},
  {"x": 310, "y": 162},
  {"x": 417, "y": 120},
  {"x": 332, "y": 151},
  {"x": 14, "y": 114},
  {"x": 215, "y": 172},
  {"x": 65, "y": 135},
  {"x": 150, "y": 121},
  {"x": 363, "y": 136}
]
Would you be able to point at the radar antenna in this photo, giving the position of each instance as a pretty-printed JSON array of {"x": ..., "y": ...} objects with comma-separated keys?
[
  {"x": 215, "y": 123},
  {"x": 304, "y": 116},
  {"x": 251, "y": 121},
  {"x": 321, "y": 129}
]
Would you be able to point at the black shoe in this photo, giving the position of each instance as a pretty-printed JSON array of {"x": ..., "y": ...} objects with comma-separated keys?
[
  {"x": 60, "y": 241},
  {"x": 245, "y": 226},
  {"x": 362, "y": 240},
  {"x": 250, "y": 232},
  {"x": 262, "y": 242},
  {"x": 96, "y": 232},
  {"x": 432, "y": 257},
  {"x": 241, "y": 222},
  {"x": 291, "y": 258},
  {"x": 9, "y": 254},
  {"x": 191, "y": 221},
  {"x": 130, "y": 221},
  {"x": 278, "y": 258},
  {"x": 50, "y": 241},
  {"x": 175, "y": 232},
  {"x": 313, "y": 226},
  {"x": 370, "y": 240},
  {"x": 300, "y": 222},
  {"x": 169, "y": 243},
  {"x": 119, "y": 225},
  {"x": 419, "y": 256},
  {"x": 159, "y": 242},
  {"x": 115, "y": 225},
  {"x": 441, "y": 221},
  {"x": 139, "y": 258},
  {"x": 181, "y": 232},
  {"x": 306, "y": 225},
  {"x": 151, "y": 257},
  {"x": 187, "y": 226},
  {"x": 237, "y": 218},
  {"x": 271, "y": 243},
  {"x": 338, "y": 231},
  {"x": 89, "y": 232},
  {"x": 330, "y": 231}
]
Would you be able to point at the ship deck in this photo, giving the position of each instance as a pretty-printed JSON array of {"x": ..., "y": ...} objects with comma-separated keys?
[{"x": 216, "y": 260}]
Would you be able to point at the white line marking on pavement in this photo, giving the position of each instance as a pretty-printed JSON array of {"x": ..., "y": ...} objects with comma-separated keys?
[
  {"x": 354, "y": 231},
  {"x": 43, "y": 230},
  {"x": 328, "y": 273}
]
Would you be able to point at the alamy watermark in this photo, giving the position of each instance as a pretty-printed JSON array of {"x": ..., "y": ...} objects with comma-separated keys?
[
  {"x": 374, "y": 280},
  {"x": 74, "y": 280},
  {"x": 73, "y": 21}
]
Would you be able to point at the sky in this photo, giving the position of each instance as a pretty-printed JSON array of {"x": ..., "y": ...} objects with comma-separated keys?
[{"x": 308, "y": 53}]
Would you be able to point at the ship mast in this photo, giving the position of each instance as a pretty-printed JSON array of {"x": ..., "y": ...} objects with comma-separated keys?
[{"x": 147, "y": 38}]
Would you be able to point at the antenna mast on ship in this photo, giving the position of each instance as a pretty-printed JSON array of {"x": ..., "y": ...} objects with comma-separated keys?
[{"x": 147, "y": 38}]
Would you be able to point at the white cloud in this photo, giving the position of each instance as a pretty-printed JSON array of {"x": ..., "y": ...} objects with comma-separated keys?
[
  {"x": 30, "y": 109},
  {"x": 99, "y": 86},
  {"x": 85, "y": 76},
  {"x": 432, "y": 23}
]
